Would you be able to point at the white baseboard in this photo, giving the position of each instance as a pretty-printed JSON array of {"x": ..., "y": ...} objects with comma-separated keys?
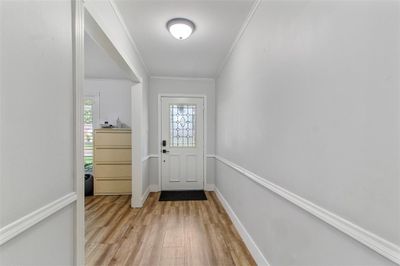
[
  {"x": 145, "y": 195},
  {"x": 248, "y": 240},
  {"x": 376, "y": 243},
  {"x": 154, "y": 188},
  {"x": 15, "y": 228},
  {"x": 209, "y": 187}
]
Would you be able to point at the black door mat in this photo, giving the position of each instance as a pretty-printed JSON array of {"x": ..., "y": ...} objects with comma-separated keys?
[{"x": 182, "y": 195}]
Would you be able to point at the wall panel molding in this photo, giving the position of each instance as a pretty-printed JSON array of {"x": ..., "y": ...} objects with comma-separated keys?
[
  {"x": 382, "y": 246},
  {"x": 15, "y": 228}
]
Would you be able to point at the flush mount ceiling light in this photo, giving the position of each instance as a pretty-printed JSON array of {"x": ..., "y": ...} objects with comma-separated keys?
[{"x": 180, "y": 28}]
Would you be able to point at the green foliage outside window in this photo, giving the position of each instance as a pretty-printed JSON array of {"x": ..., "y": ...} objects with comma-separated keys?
[{"x": 88, "y": 133}]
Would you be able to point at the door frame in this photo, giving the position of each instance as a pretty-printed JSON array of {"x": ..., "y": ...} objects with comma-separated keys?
[
  {"x": 159, "y": 137},
  {"x": 79, "y": 11}
]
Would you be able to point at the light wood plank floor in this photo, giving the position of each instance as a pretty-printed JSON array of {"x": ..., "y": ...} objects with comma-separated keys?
[{"x": 161, "y": 233}]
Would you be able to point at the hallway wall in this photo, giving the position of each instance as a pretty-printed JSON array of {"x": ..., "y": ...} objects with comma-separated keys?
[
  {"x": 309, "y": 100},
  {"x": 36, "y": 132},
  {"x": 185, "y": 86},
  {"x": 38, "y": 222}
]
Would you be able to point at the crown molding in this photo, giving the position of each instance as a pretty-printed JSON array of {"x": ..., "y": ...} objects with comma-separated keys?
[
  {"x": 224, "y": 61},
  {"x": 135, "y": 47}
]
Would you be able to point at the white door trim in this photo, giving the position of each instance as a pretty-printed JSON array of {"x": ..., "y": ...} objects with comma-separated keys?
[
  {"x": 78, "y": 17},
  {"x": 137, "y": 106},
  {"x": 78, "y": 36},
  {"x": 159, "y": 138}
]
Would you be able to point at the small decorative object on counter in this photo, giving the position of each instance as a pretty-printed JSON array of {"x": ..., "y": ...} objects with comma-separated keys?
[
  {"x": 106, "y": 125},
  {"x": 119, "y": 124}
]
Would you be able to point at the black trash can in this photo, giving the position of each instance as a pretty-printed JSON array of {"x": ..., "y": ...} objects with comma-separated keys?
[{"x": 88, "y": 185}]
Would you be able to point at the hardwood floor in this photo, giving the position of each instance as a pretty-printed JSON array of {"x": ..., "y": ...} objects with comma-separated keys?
[{"x": 161, "y": 233}]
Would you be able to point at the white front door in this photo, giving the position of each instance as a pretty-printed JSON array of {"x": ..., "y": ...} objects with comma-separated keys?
[{"x": 182, "y": 143}]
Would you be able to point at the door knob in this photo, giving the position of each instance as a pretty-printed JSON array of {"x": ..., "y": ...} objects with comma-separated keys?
[{"x": 164, "y": 151}]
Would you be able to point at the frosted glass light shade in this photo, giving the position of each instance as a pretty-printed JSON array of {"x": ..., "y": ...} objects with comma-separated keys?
[{"x": 180, "y": 28}]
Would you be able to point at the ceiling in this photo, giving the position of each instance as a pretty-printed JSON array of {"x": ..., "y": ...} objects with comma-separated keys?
[
  {"x": 217, "y": 25},
  {"x": 99, "y": 64}
]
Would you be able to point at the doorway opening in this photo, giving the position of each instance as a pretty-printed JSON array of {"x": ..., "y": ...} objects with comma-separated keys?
[
  {"x": 108, "y": 125},
  {"x": 182, "y": 139}
]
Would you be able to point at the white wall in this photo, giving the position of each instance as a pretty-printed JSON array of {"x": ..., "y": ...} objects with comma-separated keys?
[
  {"x": 180, "y": 86},
  {"x": 309, "y": 100},
  {"x": 37, "y": 128},
  {"x": 114, "y": 99}
]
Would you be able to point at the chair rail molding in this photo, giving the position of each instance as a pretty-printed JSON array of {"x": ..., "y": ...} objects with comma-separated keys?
[
  {"x": 378, "y": 244},
  {"x": 17, "y": 227},
  {"x": 149, "y": 157},
  {"x": 145, "y": 158}
]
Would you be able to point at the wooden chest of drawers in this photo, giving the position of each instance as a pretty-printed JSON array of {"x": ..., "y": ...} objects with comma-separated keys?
[{"x": 112, "y": 162}]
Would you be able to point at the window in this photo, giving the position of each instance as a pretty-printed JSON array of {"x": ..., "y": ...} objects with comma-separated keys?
[
  {"x": 182, "y": 125},
  {"x": 88, "y": 126}
]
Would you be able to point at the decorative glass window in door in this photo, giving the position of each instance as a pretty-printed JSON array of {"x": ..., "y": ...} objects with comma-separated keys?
[{"x": 182, "y": 125}]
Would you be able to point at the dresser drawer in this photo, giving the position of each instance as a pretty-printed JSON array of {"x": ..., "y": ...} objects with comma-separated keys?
[
  {"x": 107, "y": 187},
  {"x": 112, "y": 155},
  {"x": 113, "y": 171},
  {"x": 113, "y": 139}
]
